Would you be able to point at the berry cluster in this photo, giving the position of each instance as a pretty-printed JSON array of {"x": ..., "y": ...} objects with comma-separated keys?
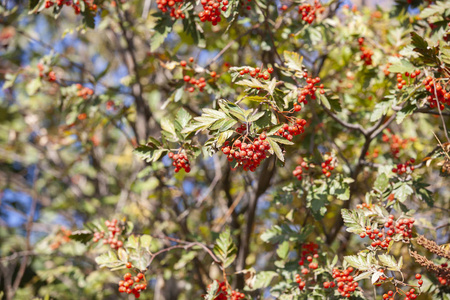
[
  {"x": 174, "y": 6},
  {"x": 199, "y": 83},
  {"x": 126, "y": 285},
  {"x": 288, "y": 131},
  {"x": 395, "y": 142},
  {"x": 386, "y": 69},
  {"x": 402, "y": 82},
  {"x": 88, "y": 4},
  {"x": 344, "y": 282},
  {"x": 48, "y": 75},
  {"x": 84, "y": 92},
  {"x": 436, "y": 89},
  {"x": 383, "y": 237},
  {"x": 328, "y": 165},
  {"x": 211, "y": 10},
  {"x": 61, "y": 237},
  {"x": 180, "y": 161},
  {"x": 309, "y": 11},
  {"x": 248, "y": 155},
  {"x": 310, "y": 89},
  {"x": 409, "y": 295},
  {"x": 404, "y": 168},
  {"x": 365, "y": 206},
  {"x": 299, "y": 170},
  {"x": 442, "y": 280},
  {"x": 309, "y": 253},
  {"x": 377, "y": 236},
  {"x": 257, "y": 72},
  {"x": 112, "y": 240},
  {"x": 366, "y": 55},
  {"x": 223, "y": 293}
]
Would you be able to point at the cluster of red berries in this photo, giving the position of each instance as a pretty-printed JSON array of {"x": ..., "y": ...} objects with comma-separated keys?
[
  {"x": 257, "y": 72},
  {"x": 309, "y": 253},
  {"x": 242, "y": 129},
  {"x": 409, "y": 295},
  {"x": 211, "y": 10},
  {"x": 442, "y": 280},
  {"x": 404, "y": 168},
  {"x": 84, "y": 92},
  {"x": 174, "y": 6},
  {"x": 248, "y": 155},
  {"x": 377, "y": 236},
  {"x": 48, "y": 75},
  {"x": 402, "y": 227},
  {"x": 299, "y": 170},
  {"x": 126, "y": 285},
  {"x": 419, "y": 279},
  {"x": 436, "y": 89},
  {"x": 61, "y": 237},
  {"x": 309, "y": 11},
  {"x": 199, "y": 83},
  {"x": 376, "y": 153},
  {"x": 308, "y": 249},
  {"x": 310, "y": 89},
  {"x": 402, "y": 82},
  {"x": 75, "y": 4},
  {"x": 344, "y": 282},
  {"x": 288, "y": 131},
  {"x": 396, "y": 142},
  {"x": 112, "y": 240},
  {"x": 180, "y": 161},
  {"x": 328, "y": 165},
  {"x": 386, "y": 69},
  {"x": 223, "y": 293},
  {"x": 365, "y": 206},
  {"x": 366, "y": 54}
]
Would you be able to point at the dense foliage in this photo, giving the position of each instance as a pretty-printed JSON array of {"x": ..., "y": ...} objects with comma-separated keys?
[{"x": 224, "y": 149}]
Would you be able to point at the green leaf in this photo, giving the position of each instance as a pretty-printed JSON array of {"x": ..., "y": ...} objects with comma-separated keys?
[
  {"x": 162, "y": 29},
  {"x": 33, "y": 86},
  {"x": 389, "y": 262},
  {"x": 322, "y": 99},
  {"x": 83, "y": 236},
  {"x": 293, "y": 61},
  {"x": 354, "y": 220},
  {"x": 263, "y": 279},
  {"x": 225, "y": 249},
  {"x": 381, "y": 109},
  {"x": 10, "y": 79},
  {"x": 108, "y": 260},
  {"x": 381, "y": 183},
  {"x": 281, "y": 140},
  {"x": 275, "y": 148},
  {"x": 402, "y": 190},
  {"x": 283, "y": 250},
  {"x": 359, "y": 261},
  {"x": 252, "y": 82},
  {"x": 211, "y": 293},
  {"x": 149, "y": 153},
  {"x": 400, "y": 65},
  {"x": 438, "y": 8},
  {"x": 169, "y": 130},
  {"x": 183, "y": 118},
  {"x": 256, "y": 116},
  {"x": 223, "y": 136}
]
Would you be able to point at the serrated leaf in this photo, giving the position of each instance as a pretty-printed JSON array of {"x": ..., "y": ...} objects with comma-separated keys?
[
  {"x": 400, "y": 65},
  {"x": 83, "y": 236},
  {"x": 354, "y": 220},
  {"x": 275, "y": 148},
  {"x": 225, "y": 249},
  {"x": 293, "y": 61},
  {"x": 281, "y": 140},
  {"x": 223, "y": 136},
  {"x": 381, "y": 183},
  {"x": 363, "y": 275},
  {"x": 263, "y": 279},
  {"x": 389, "y": 262},
  {"x": 283, "y": 250},
  {"x": 403, "y": 191},
  {"x": 380, "y": 109},
  {"x": 108, "y": 260}
]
